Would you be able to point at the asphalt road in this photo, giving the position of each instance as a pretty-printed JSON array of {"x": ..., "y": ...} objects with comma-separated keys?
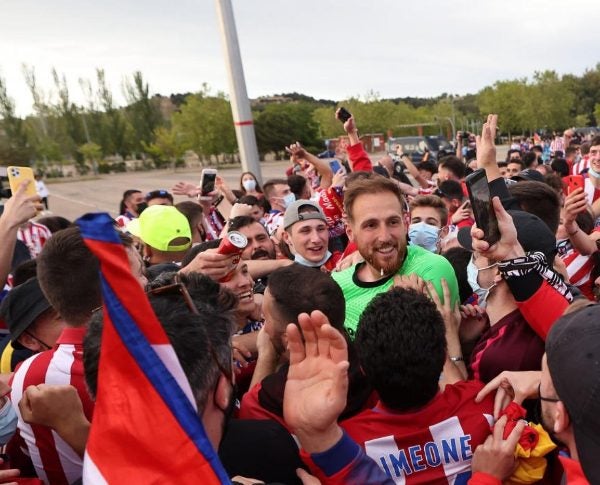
[{"x": 73, "y": 198}]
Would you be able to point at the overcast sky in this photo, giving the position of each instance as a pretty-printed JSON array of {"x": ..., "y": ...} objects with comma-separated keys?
[{"x": 322, "y": 48}]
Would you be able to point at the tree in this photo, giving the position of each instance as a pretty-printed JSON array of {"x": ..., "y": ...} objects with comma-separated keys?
[
  {"x": 89, "y": 151},
  {"x": 14, "y": 146},
  {"x": 167, "y": 145},
  {"x": 142, "y": 111}
]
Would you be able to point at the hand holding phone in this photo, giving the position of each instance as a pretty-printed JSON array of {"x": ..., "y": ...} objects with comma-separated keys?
[
  {"x": 343, "y": 114},
  {"x": 481, "y": 202},
  {"x": 335, "y": 166},
  {"x": 18, "y": 175},
  {"x": 207, "y": 182},
  {"x": 572, "y": 182}
]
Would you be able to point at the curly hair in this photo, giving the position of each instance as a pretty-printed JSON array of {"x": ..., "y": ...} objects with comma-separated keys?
[{"x": 401, "y": 345}]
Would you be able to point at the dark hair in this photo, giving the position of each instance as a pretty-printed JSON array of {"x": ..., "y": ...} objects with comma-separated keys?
[
  {"x": 191, "y": 210},
  {"x": 299, "y": 289},
  {"x": 560, "y": 166},
  {"x": 595, "y": 141},
  {"x": 401, "y": 344},
  {"x": 297, "y": 185},
  {"x": 26, "y": 270},
  {"x": 502, "y": 163},
  {"x": 159, "y": 194},
  {"x": 370, "y": 185},
  {"x": 529, "y": 159},
  {"x": 55, "y": 223},
  {"x": 453, "y": 163},
  {"x": 242, "y": 221},
  {"x": 571, "y": 150},
  {"x": 199, "y": 248},
  {"x": 257, "y": 188},
  {"x": 450, "y": 189},
  {"x": 126, "y": 195},
  {"x": 540, "y": 199},
  {"x": 585, "y": 147},
  {"x": 459, "y": 259},
  {"x": 519, "y": 161},
  {"x": 68, "y": 274},
  {"x": 427, "y": 166},
  {"x": 269, "y": 186},
  {"x": 359, "y": 175},
  {"x": 554, "y": 181},
  {"x": 248, "y": 200},
  {"x": 192, "y": 336},
  {"x": 510, "y": 152}
]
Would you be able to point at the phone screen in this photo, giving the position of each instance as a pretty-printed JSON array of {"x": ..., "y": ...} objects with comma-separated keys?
[
  {"x": 343, "y": 114},
  {"x": 481, "y": 202},
  {"x": 335, "y": 166},
  {"x": 208, "y": 182}
]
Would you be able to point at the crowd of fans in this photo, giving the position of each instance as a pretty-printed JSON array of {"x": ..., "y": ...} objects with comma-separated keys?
[{"x": 366, "y": 333}]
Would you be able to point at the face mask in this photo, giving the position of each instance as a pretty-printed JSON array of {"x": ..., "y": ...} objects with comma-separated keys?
[
  {"x": 424, "y": 235},
  {"x": 593, "y": 173},
  {"x": 249, "y": 185},
  {"x": 482, "y": 293},
  {"x": 305, "y": 262},
  {"x": 288, "y": 200},
  {"x": 141, "y": 207}
]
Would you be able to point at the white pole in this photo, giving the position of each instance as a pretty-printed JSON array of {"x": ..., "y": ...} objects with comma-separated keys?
[{"x": 240, "y": 105}]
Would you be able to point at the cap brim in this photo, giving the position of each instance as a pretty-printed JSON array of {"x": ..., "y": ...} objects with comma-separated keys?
[
  {"x": 25, "y": 321},
  {"x": 464, "y": 238}
]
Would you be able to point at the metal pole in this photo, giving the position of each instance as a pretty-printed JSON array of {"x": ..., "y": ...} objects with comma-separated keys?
[{"x": 240, "y": 106}]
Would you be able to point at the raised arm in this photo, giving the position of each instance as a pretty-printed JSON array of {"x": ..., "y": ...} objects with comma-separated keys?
[{"x": 296, "y": 150}]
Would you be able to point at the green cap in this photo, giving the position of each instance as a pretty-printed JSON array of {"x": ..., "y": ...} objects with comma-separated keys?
[{"x": 159, "y": 225}]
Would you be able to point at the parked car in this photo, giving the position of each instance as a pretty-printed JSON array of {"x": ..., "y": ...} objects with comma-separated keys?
[{"x": 416, "y": 146}]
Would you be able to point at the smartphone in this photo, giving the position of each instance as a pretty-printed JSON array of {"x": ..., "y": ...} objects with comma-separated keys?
[
  {"x": 343, "y": 115},
  {"x": 335, "y": 166},
  {"x": 481, "y": 202},
  {"x": 17, "y": 175},
  {"x": 207, "y": 181},
  {"x": 572, "y": 183}
]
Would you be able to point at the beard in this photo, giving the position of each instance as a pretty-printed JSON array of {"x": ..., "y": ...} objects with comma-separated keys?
[
  {"x": 386, "y": 264},
  {"x": 262, "y": 254}
]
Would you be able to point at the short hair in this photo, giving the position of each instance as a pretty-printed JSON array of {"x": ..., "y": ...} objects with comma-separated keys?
[
  {"x": 359, "y": 175},
  {"x": 68, "y": 274},
  {"x": 299, "y": 289},
  {"x": 540, "y": 199},
  {"x": 502, "y": 164},
  {"x": 126, "y": 195},
  {"x": 297, "y": 184},
  {"x": 270, "y": 184},
  {"x": 554, "y": 181},
  {"x": 196, "y": 250},
  {"x": 571, "y": 150},
  {"x": 191, "y": 210},
  {"x": 243, "y": 221},
  {"x": 370, "y": 185},
  {"x": 595, "y": 141},
  {"x": 24, "y": 271},
  {"x": 401, "y": 345},
  {"x": 248, "y": 200},
  {"x": 431, "y": 201},
  {"x": 159, "y": 194},
  {"x": 450, "y": 189},
  {"x": 585, "y": 147},
  {"x": 510, "y": 152},
  {"x": 560, "y": 166},
  {"x": 537, "y": 148},
  {"x": 519, "y": 161},
  {"x": 197, "y": 339},
  {"x": 55, "y": 223},
  {"x": 427, "y": 166},
  {"x": 529, "y": 159},
  {"x": 453, "y": 163}
]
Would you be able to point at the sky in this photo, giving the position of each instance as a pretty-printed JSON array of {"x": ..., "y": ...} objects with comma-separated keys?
[{"x": 322, "y": 48}]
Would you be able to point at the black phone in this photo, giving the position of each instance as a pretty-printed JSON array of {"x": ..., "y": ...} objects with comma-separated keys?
[
  {"x": 207, "y": 181},
  {"x": 481, "y": 203},
  {"x": 343, "y": 114}
]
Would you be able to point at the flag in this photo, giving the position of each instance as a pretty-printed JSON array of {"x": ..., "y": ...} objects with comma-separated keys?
[{"x": 146, "y": 427}]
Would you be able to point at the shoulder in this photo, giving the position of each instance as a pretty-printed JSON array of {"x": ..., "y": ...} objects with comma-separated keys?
[{"x": 420, "y": 261}]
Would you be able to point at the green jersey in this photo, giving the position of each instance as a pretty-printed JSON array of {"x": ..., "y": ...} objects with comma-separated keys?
[{"x": 358, "y": 294}]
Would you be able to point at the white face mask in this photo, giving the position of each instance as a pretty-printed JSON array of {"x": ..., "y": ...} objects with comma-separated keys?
[
  {"x": 288, "y": 200},
  {"x": 424, "y": 235},
  {"x": 472, "y": 274},
  {"x": 249, "y": 185}
]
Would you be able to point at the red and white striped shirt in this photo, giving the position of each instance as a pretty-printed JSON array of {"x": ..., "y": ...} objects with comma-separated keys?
[
  {"x": 34, "y": 236},
  {"x": 433, "y": 444},
  {"x": 581, "y": 165},
  {"x": 55, "y": 462},
  {"x": 557, "y": 145},
  {"x": 579, "y": 269}
]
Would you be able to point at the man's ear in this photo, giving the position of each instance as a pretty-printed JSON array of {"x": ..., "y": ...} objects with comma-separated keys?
[
  {"x": 285, "y": 235},
  {"x": 147, "y": 252},
  {"x": 562, "y": 420},
  {"x": 349, "y": 231},
  {"x": 30, "y": 343},
  {"x": 222, "y": 393}
]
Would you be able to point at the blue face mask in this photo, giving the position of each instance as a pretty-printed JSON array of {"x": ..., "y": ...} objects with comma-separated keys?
[
  {"x": 288, "y": 200},
  {"x": 305, "y": 262},
  {"x": 593, "y": 173},
  {"x": 424, "y": 235},
  {"x": 472, "y": 274}
]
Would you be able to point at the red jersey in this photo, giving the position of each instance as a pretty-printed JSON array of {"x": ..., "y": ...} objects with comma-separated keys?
[
  {"x": 432, "y": 445},
  {"x": 54, "y": 461},
  {"x": 34, "y": 236}
]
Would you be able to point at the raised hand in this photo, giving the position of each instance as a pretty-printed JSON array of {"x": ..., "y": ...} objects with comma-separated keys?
[
  {"x": 486, "y": 148},
  {"x": 20, "y": 207},
  {"x": 511, "y": 386},
  {"x": 185, "y": 188},
  {"x": 317, "y": 382}
]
